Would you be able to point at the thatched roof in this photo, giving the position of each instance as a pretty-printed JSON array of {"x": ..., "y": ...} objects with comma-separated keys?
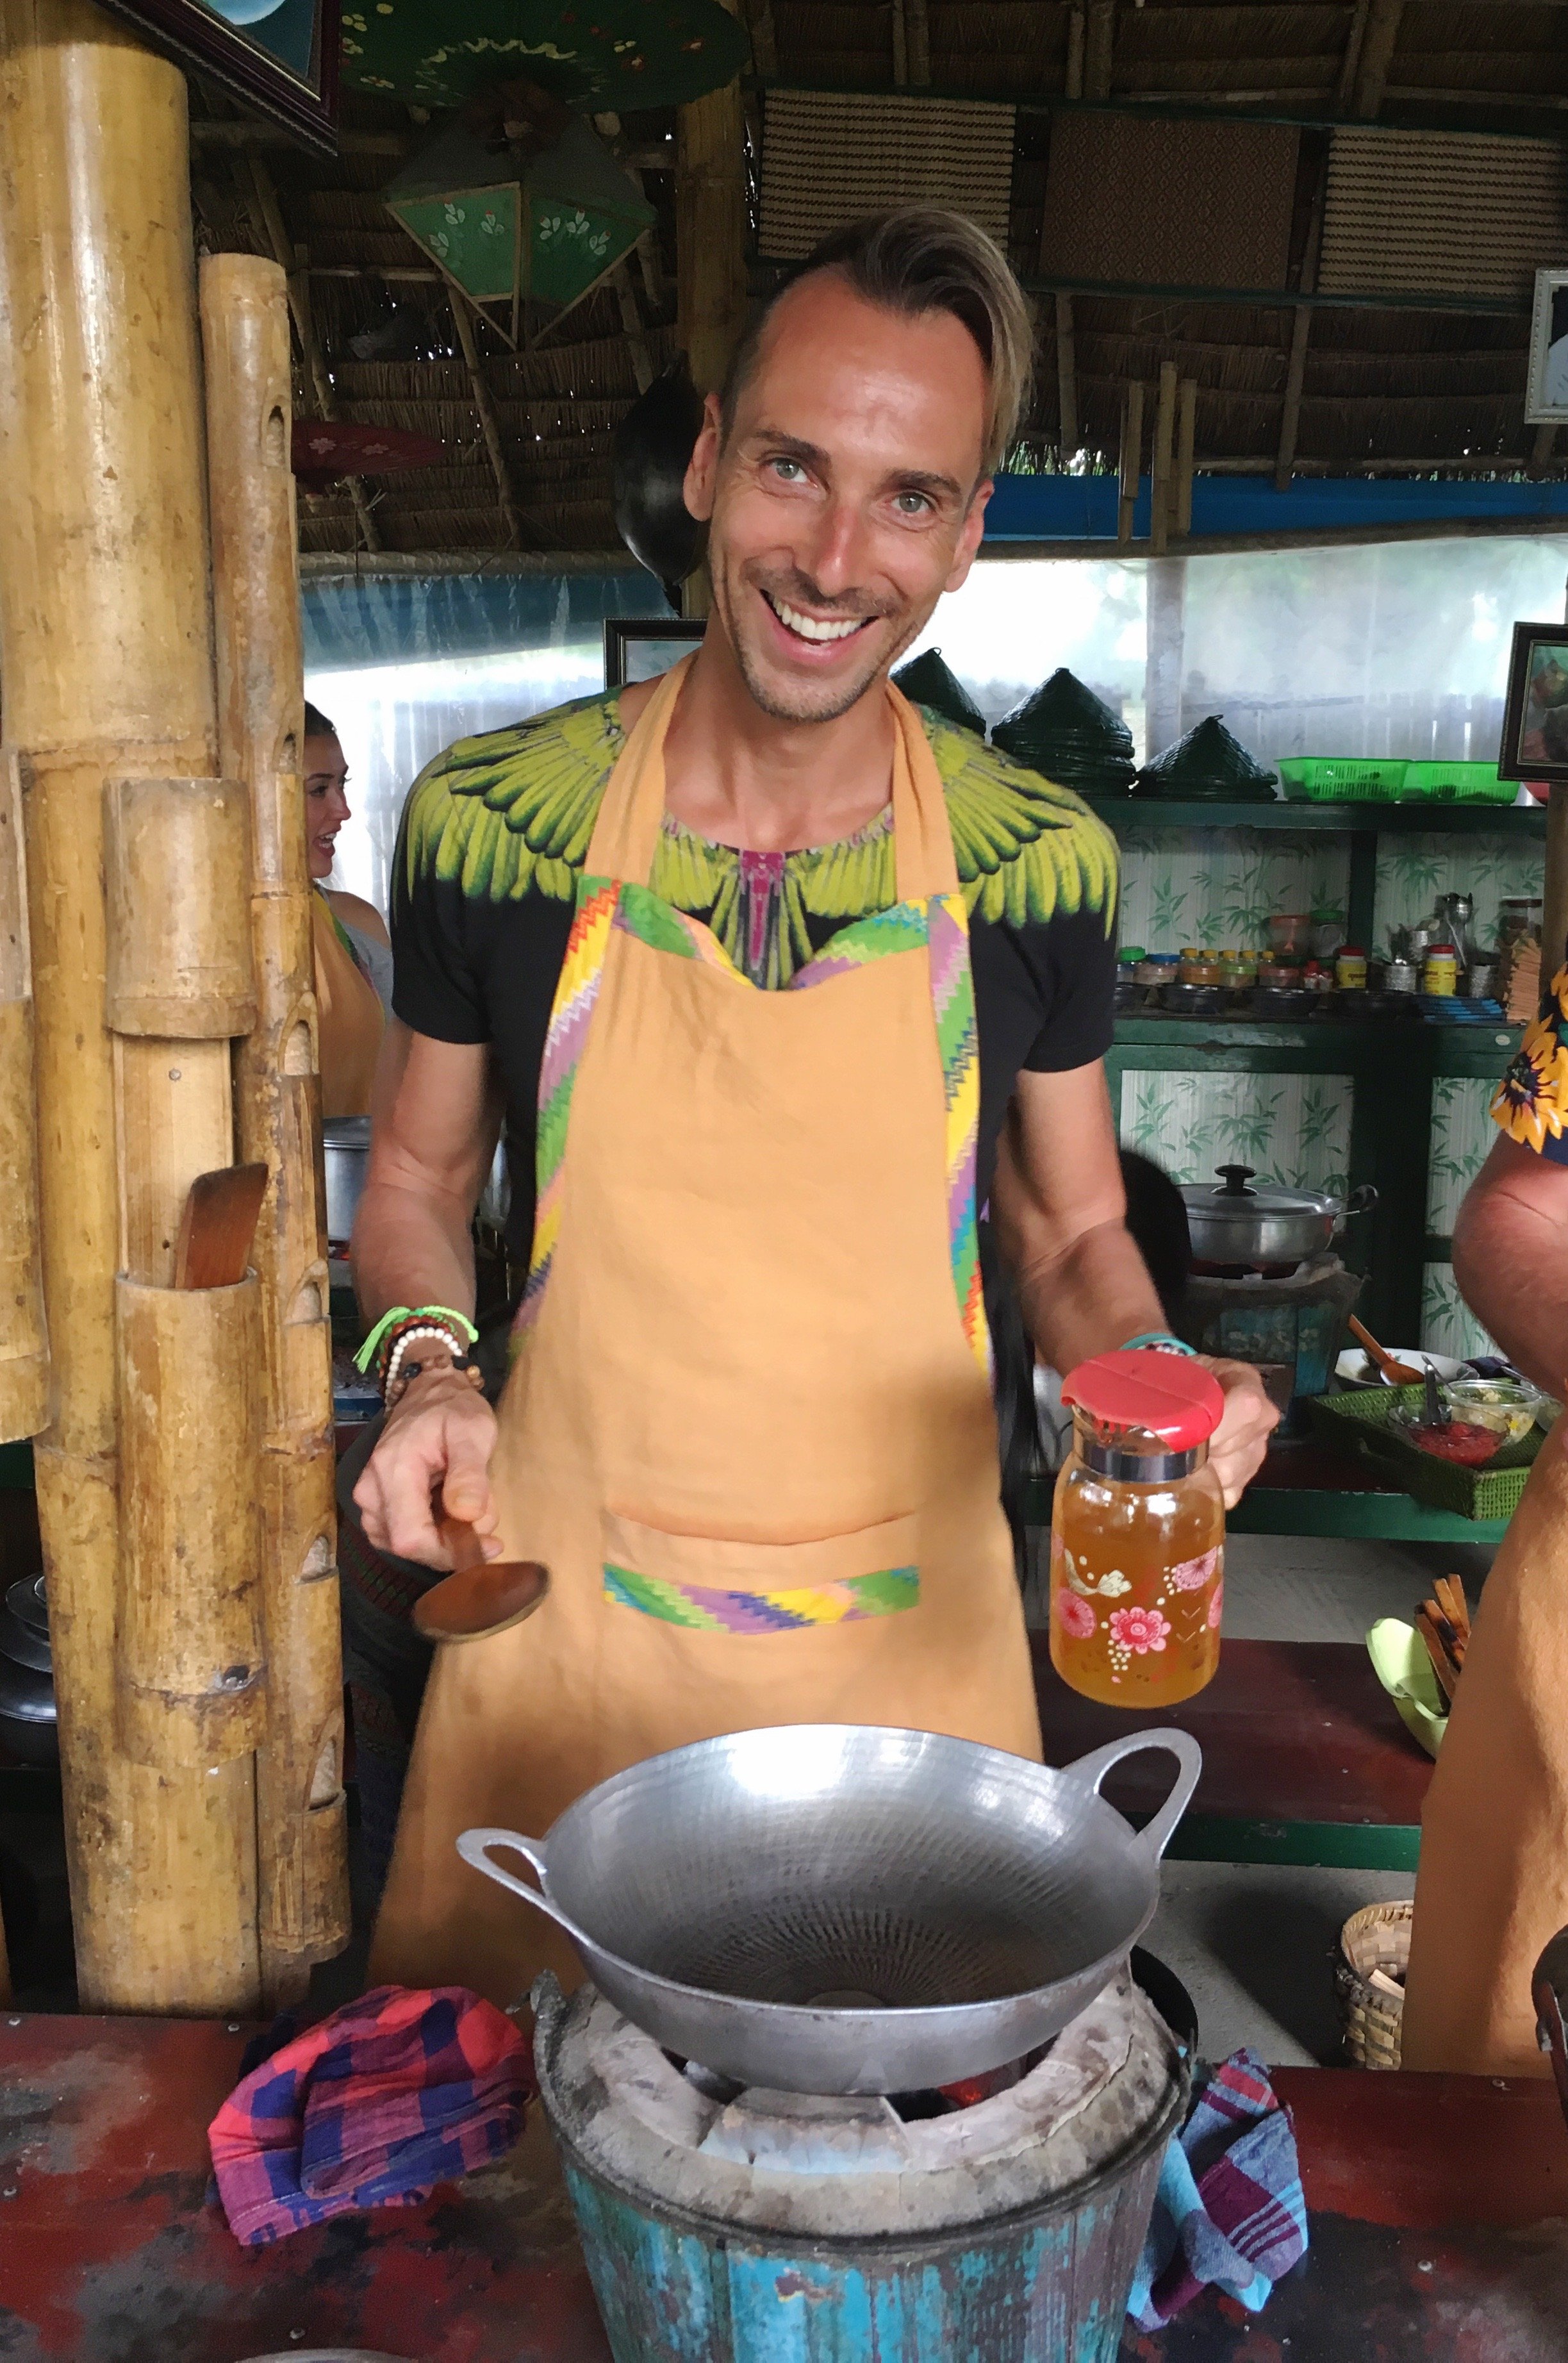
[{"x": 1383, "y": 384}]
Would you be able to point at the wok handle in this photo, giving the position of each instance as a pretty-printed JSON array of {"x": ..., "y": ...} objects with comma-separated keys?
[
  {"x": 1091, "y": 1770},
  {"x": 474, "y": 1847}
]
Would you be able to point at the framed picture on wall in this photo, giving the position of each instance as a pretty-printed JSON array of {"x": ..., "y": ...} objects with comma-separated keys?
[
  {"x": 278, "y": 57},
  {"x": 1546, "y": 393},
  {"x": 641, "y": 651},
  {"x": 1535, "y": 717}
]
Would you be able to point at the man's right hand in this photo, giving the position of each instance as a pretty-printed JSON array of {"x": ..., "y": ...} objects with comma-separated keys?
[{"x": 440, "y": 1432}]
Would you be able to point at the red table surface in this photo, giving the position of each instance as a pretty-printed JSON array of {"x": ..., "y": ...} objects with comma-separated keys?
[
  {"x": 1431, "y": 2199},
  {"x": 1290, "y": 1731}
]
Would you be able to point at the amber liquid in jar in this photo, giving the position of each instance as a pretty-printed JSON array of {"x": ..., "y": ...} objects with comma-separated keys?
[{"x": 1137, "y": 1576}]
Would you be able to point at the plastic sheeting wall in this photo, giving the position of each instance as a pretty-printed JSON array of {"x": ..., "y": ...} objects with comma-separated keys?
[{"x": 405, "y": 667}]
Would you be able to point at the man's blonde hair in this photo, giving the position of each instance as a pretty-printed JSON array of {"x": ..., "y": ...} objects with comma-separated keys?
[{"x": 919, "y": 259}]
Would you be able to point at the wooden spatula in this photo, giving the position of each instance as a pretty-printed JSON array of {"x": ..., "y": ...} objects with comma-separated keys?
[
  {"x": 217, "y": 1229},
  {"x": 481, "y": 1596},
  {"x": 1398, "y": 1374}
]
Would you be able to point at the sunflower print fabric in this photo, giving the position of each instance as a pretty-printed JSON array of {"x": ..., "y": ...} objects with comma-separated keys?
[
  {"x": 1531, "y": 1105},
  {"x": 513, "y": 812}
]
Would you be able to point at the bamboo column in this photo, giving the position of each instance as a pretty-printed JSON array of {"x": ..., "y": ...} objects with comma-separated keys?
[
  {"x": 104, "y": 624},
  {"x": 710, "y": 249},
  {"x": 301, "y": 1816},
  {"x": 24, "y": 1339}
]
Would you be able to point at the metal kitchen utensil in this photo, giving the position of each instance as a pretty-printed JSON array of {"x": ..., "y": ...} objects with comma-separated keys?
[
  {"x": 346, "y": 1155},
  {"x": 1549, "y": 1991},
  {"x": 841, "y": 1908},
  {"x": 1235, "y": 1224}
]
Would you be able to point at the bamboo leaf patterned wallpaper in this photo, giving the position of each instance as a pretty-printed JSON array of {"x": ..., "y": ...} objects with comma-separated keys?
[
  {"x": 1221, "y": 886},
  {"x": 1293, "y": 1129}
]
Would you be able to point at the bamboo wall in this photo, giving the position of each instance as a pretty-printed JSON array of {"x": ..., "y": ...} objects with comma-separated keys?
[{"x": 144, "y": 877}]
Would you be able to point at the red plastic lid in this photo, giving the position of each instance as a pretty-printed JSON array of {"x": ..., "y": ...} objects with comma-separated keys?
[{"x": 1166, "y": 1395}]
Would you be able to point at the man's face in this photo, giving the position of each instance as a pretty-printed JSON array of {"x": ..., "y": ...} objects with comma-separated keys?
[{"x": 846, "y": 498}]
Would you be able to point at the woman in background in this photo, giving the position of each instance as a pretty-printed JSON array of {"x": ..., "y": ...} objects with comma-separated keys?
[{"x": 353, "y": 950}]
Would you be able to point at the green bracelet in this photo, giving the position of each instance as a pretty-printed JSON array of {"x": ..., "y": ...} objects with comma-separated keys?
[
  {"x": 459, "y": 1321},
  {"x": 1159, "y": 1341}
]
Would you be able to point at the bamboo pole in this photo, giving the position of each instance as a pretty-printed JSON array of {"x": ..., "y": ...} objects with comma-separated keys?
[
  {"x": 300, "y": 1821},
  {"x": 709, "y": 252},
  {"x": 104, "y": 619},
  {"x": 191, "y": 1668},
  {"x": 710, "y": 231},
  {"x": 1132, "y": 460},
  {"x": 24, "y": 1339},
  {"x": 1187, "y": 438},
  {"x": 1164, "y": 460}
]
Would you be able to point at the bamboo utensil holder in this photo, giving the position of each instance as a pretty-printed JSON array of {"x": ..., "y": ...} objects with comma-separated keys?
[
  {"x": 190, "y": 1672},
  {"x": 24, "y": 1340},
  {"x": 104, "y": 618},
  {"x": 177, "y": 873},
  {"x": 1377, "y": 1938},
  {"x": 301, "y": 1823}
]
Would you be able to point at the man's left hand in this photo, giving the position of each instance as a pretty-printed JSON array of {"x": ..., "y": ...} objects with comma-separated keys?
[{"x": 1237, "y": 1446}]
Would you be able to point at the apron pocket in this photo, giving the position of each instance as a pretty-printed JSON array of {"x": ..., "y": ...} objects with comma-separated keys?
[{"x": 733, "y": 1587}]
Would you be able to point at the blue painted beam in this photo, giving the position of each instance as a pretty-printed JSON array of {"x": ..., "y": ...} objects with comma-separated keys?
[{"x": 1068, "y": 508}]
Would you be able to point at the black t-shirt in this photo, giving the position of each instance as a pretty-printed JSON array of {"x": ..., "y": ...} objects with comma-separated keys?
[{"x": 496, "y": 830}]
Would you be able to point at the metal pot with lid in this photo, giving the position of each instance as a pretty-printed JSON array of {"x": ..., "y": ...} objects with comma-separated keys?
[{"x": 1237, "y": 1225}]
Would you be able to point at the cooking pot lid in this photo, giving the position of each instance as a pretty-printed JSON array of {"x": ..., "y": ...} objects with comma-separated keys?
[
  {"x": 1235, "y": 1195},
  {"x": 1166, "y": 1395}
]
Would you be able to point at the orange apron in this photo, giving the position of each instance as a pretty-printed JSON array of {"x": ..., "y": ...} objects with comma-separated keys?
[
  {"x": 749, "y": 1429},
  {"x": 351, "y": 1018},
  {"x": 1493, "y": 1883}
]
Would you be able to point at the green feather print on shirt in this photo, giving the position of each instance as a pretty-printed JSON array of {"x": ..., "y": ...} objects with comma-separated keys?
[{"x": 512, "y": 813}]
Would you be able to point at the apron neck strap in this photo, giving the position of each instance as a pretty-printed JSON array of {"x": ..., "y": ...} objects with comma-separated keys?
[{"x": 625, "y": 836}]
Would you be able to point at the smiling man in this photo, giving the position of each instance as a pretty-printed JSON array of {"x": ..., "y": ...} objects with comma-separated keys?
[{"x": 776, "y": 981}]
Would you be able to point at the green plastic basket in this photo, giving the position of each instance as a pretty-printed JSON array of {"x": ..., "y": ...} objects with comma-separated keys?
[
  {"x": 1344, "y": 778},
  {"x": 1458, "y": 783},
  {"x": 1358, "y": 1422}
]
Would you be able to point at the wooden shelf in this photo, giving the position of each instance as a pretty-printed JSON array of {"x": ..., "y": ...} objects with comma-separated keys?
[{"x": 1415, "y": 819}]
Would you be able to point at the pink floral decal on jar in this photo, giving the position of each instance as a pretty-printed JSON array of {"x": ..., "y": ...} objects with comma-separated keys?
[
  {"x": 1138, "y": 1630},
  {"x": 1192, "y": 1574},
  {"x": 1075, "y": 1617},
  {"x": 1216, "y": 1606}
]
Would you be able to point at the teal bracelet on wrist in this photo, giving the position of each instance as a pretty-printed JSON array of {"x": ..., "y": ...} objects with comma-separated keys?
[{"x": 1158, "y": 1342}]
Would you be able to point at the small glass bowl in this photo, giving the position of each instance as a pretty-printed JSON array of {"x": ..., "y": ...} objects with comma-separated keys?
[
  {"x": 1507, "y": 1407},
  {"x": 1464, "y": 1441}
]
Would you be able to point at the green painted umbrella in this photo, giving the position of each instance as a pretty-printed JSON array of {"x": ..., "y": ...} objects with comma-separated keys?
[
  {"x": 596, "y": 55},
  {"x": 539, "y": 233}
]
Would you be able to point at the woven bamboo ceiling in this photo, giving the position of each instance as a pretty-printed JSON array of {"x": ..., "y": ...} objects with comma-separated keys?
[{"x": 1219, "y": 185}]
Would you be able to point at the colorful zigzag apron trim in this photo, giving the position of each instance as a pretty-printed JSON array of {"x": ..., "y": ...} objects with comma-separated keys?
[
  {"x": 952, "y": 999},
  {"x": 943, "y": 923},
  {"x": 577, "y": 989},
  {"x": 704, "y": 1608}
]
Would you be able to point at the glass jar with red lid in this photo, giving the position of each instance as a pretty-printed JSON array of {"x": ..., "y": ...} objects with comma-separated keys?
[{"x": 1138, "y": 1531}]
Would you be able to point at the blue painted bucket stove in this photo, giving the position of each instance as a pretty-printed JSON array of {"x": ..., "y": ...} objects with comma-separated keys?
[{"x": 740, "y": 2226}]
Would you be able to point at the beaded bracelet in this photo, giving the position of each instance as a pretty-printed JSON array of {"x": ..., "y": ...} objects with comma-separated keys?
[
  {"x": 1158, "y": 1342},
  {"x": 412, "y": 1370},
  {"x": 406, "y": 1337},
  {"x": 401, "y": 1321}
]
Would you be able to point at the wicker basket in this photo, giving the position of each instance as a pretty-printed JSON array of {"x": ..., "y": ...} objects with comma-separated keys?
[{"x": 1376, "y": 1938}]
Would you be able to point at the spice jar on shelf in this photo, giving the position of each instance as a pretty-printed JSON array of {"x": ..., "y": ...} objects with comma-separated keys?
[
  {"x": 1138, "y": 1531},
  {"x": 1350, "y": 969},
  {"x": 1440, "y": 971}
]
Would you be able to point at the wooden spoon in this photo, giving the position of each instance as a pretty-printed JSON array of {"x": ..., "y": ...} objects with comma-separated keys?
[
  {"x": 1398, "y": 1374},
  {"x": 217, "y": 1229},
  {"x": 481, "y": 1596}
]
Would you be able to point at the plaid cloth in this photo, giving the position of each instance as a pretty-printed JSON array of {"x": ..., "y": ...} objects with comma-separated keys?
[
  {"x": 1230, "y": 2207},
  {"x": 370, "y": 2108}
]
